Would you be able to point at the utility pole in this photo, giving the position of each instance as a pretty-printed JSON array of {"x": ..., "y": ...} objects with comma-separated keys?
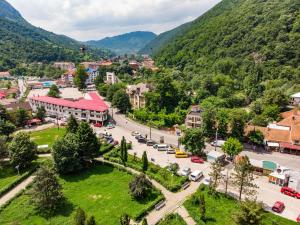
[
  {"x": 150, "y": 130},
  {"x": 216, "y": 139}
]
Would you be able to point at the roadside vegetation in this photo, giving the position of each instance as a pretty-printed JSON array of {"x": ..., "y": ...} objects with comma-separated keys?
[{"x": 172, "y": 219}]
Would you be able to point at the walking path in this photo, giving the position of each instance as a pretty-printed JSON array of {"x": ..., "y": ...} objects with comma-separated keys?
[
  {"x": 11, "y": 194},
  {"x": 185, "y": 215}
]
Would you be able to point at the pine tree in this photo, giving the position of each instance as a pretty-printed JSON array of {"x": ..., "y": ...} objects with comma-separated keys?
[
  {"x": 202, "y": 207},
  {"x": 145, "y": 162},
  {"x": 124, "y": 220},
  {"x": 91, "y": 221},
  {"x": 72, "y": 125},
  {"x": 80, "y": 217},
  {"x": 123, "y": 151},
  {"x": 144, "y": 222},
  {"x": 41, "y": 113}
]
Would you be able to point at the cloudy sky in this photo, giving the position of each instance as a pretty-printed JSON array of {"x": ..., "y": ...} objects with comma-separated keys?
[{"x": 95, "y": 19}]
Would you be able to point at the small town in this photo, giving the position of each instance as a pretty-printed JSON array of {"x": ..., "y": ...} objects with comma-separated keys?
[{"x": 196, "y": 125}]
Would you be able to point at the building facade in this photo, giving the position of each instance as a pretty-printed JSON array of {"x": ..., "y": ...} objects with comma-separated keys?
[
  {"x": 64, "y": 65},
  {"x": 90, "y": 109},
  {"x": 136, "y": 95},
  {"x": 193, "y": 118},
  {"x": 111, "y": 78}
]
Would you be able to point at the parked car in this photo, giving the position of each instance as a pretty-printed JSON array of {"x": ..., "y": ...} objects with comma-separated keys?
[
  {"x": 185, "y": 171},
  {"x": 196, "y": 159},
  {"x": 207, "y": 181},
  {"x": 196, "y": 175},
  {"x": 138, "y": 136},
  {"x": 135, "y": 133},
  {"x": 110, "y": 126},
  {"x": 142, "y": 140},
  {"x": 218, "y": 143},
  {"x": 151, "y": 143},
  {"x": 171, "y": 150},
  {"x": 298, "y": 219},
  {"x": 97, "y": 125},
  {"x": 161, "y": 147},
  {"x": 278, "y": 207},
  {"x": 290, "y": 192},
  {"x": 180, "y": 154}
]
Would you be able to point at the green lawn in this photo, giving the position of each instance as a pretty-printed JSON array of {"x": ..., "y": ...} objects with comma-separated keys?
[
  {"x": 219, "y": 211},
  {"x": 101, "y": 191},
  {"x": 172, "y": 219},
  {"x": 47, "y": 136}
]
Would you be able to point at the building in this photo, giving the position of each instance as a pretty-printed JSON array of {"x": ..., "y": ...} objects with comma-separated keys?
[
  {"x": 136, "y": 95},
  {"x": 148, "y": 63},
  {"x": 193, "y": 118},
  {"x": 134, "y": 65},
  {"x": 90, "y": 109},
  {"x": 92, "y": 74},
  {"x": 64, "y": 65},
  {"x": 294, "y": 180},
  {"x": 295, "y": 99},
  {"x": 91, "y": 65},
  {"x": 5, "y": 75},
  {"x": 111, "y": 78}
]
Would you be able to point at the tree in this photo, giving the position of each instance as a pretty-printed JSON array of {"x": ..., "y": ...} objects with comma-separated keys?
[
  {"x": 80, "y": 77},
  {"x": 208, "y": 122},
  {"x": 41, "y": 113},
  {"x": 112, "y": 89},
  {"x": 275, "y": 96},
  {"x": 193, "y": 140},
  {"x": 145, "y": 161},
  {"x": 222, "y": 122},
  {"x": 215, "y": 175},
  {"x": 21, "y": 150},
  {"x": 123, "y": 151},
  {"x": 144, "y": 222},
  {"x": 65, "y": 154},
  {"x": 80, "y": 217},
  {"x": 3, "y": 113},
  {"x": 102, "y": 89},
  {"x": 242, "y": 178},
  {"x": 88, "y": 143},
  {"x": 121, "y": 101},
  {"x": 232, "y": 147},
  {"x": 124, "y": 219},
  {"x": 21, "y": 117},
  {"x": 72, "y": 125},
  {"x": 140, "y": 186},
  {"x": 3, "y": 147},
  {"x": 91, "y": 221},
  {"x": 251, "y": 213},
  {"x": 6, "y": 128},
  {"x": 237, "y": 123},
  {"x": 53, "y": 91},
  {"x": 256, "y": 137},
  {"x": 46, "y": 194},
  {"x": 202, "y": 207},
  {"x": 174, "y": 167}
]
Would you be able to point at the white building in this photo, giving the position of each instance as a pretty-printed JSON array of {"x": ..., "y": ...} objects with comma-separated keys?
[
  {"x": 111, "y": 78},
  {"x": 90, "y": 109},
  {"x": 295, "y": 99},
  {"x": 64, "y": 65}
]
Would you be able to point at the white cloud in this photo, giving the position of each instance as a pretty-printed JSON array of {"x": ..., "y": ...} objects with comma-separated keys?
[{"x": 95, "y": 19}]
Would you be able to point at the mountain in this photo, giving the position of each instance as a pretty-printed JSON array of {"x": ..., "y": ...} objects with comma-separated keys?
[
  {"x": 251, "y": 41},
  {"x": 126, "y": 43},
  {"x": 21, "y": 42},
  {"x": 157, "y": 43}
]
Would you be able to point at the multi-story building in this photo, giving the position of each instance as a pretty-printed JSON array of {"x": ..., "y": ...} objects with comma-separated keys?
[
  {"x": 64, "y": 65},
  {"x": 193, "y": 118},
  {"x": 136, "y": 95},
  {"x": 92, "y": 74},
  {"x": 90, "y": 109},
  {"x": 111, "y": 78}
]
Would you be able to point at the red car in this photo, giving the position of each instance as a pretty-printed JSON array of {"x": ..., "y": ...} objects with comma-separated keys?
[
  {"x": 298, "y": 219},
  {"x": 290, "y": 192},
  {"x": 97, "y": 125},
  {"x": 278, "y": 207},
  {"x": 196, "y": 159}
]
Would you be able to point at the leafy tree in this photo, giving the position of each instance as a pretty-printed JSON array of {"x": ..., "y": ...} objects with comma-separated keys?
[
  {"x": 65, "y": 154},
  {"x": 46, "y": 194},
  {"x": 121, "y": 101},
  {"x": 91, "y": 221},
  {"x": 202, "y": 206},
  {"x": 237, "y": 123},
  {"x": 3, "y": 147},
  {"x": 41, "y": 113},
  {"x": 123, "y": 151},
  {"x": 140, "y": 187},
  {"x": 232, "y": 147},
  {"x": 222, "y": 118},
  {"x": 21, "y": 117},
  {"x": 251, "y": 212},
  {"x": 271, "y": 113},
  {"x": 174, "y": 167},
  {"x": 193, "y": 140},
  {"x": 144, "y": 222},
  {"x": 242, "y": 178},
  {"x": 80, "y": 217},
  {"x": 3, "y": 113},
  {"x": 145, "y": 161},
  {"x": 102, "y": 89},
  {"x": 6, "y": 128},
  {"x": 87, "y": 141},
  {"x": 208, "y": 122},
  {"x": 21, "y": 150},
  {"x": 275, "y": 97},
  {"x": 124, "y": 219},
  {"x": 72, "y": 125},
  {"x": 80, "y": 77},
  {"x": 53, "y": 91},
  {"x": 113, "y": 89},
  {"x": 256, "y": 137},
  {"x": 215, "y": 175}
]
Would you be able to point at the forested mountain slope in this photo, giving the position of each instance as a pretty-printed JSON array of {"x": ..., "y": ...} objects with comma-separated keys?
[{"x": 254, "y": 42}]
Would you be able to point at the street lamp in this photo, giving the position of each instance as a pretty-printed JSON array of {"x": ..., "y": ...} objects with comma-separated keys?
[{"x": 216, "y": 139}]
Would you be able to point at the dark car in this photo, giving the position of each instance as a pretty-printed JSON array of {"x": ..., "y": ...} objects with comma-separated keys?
[
  {"x": 151, "y": 143},
  {"x": 278, "y": 207},
  {"x": 142, "y": 140}
]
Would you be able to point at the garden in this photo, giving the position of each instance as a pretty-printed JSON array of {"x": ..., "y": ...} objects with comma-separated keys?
[
  {"x": 220, "y": 209},
  {"x": 172, "y": 219},
  {"x": 102, "y": 191}
]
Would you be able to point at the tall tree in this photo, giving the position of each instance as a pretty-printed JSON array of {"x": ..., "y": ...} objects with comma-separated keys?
[
  {"x": 41, "y": 113},
  {"x": 3, "y": 113},
  {"x": 237, "y": 123},
  {"x": 21, "y": 150},
  {"x": 208, "y": 122},
  {"x": 88, "y": 143},
  {"x": 124, "y": 220},
  {"x": 79, "y": 217},
  {"x": 6, "y": 127},
  {"x": 121, "y": 101},
  {"x": 256, "y": 137},
  {"x": 145, "y": 222},
  {"x": 3, "y": 147},
  {"x": 21, "y": 117},
  {"x": 80, "y": 77},
  {"x": 53, "y": 91},
  {"x": 145, "y": 161},
  {"x": 123, "y": 151},
  {"x": 47, "y": 193},
  {"x": 140, "y": 187},
  {"x": 72, "y": 125},
  {"x": 232, "y": 147},
  {"x": 215, "y": 175},
  {"x": 243, "y": 178},
  {"x": 251, "y": 213},
  {"x": 202, "y": 206},
  {"x": 193, "y": 140}
]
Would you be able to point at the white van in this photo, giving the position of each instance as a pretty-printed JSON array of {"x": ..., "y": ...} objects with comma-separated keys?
[
  {"x": 162, "y": 147},
  {"x": 196, "y": 175},
  {"x": 219, "y": 143}
]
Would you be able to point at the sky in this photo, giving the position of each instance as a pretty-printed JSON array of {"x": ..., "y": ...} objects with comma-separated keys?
[{"x": 95, "y": 19}]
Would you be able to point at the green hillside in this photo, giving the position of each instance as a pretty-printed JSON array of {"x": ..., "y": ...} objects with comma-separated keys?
[{"x": 255, "y": 44}]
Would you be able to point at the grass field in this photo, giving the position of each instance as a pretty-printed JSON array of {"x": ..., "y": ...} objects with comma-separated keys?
[
  {"x": 219, "y": 211},
  {"x": 8, "y": 175},
  {"x": 101, "y": 191},
  {"x": 47, "y": 136},
  {"x": 172, "y": 219}
]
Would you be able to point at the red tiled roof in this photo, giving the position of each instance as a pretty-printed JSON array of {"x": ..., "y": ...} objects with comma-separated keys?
[
  {"x": 289, "y": 146},
  {"x": 94, "y": 103}
]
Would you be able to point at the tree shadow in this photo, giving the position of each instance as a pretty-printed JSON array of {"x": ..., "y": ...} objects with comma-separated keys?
[{"x": 64, "y": 210}]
